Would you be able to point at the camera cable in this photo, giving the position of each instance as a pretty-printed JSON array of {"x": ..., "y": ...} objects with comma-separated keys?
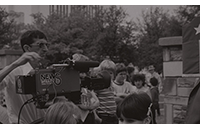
[{"x": 28, "y": 101}]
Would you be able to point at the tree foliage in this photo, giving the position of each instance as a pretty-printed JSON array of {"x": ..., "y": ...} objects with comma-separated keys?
[
  {"x": 5, "y": 25},
  {"x": 153, "y": 25},
  {"x": 10, "y": 30},
  {"x": 186, "y": 13},
  {"x": 107, "y": 33}
]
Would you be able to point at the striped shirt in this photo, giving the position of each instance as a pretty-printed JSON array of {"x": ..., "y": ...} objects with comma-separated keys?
[{"x": 107, "y": 101}]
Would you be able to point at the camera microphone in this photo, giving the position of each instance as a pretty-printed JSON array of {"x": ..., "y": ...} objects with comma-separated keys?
[{"x": 83, "y": 66}]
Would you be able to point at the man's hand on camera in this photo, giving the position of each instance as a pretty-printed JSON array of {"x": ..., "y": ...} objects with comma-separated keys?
[{"x": 26, "y": 57}]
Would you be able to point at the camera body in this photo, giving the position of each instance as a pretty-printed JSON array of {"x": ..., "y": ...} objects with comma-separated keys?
[{"x": 60, "y": 80}]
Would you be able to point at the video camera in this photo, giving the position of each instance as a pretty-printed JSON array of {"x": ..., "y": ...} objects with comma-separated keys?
[{"x": 61, "y": 80}]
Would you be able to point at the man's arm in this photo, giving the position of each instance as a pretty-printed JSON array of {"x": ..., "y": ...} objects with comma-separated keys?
[{"x": 28, "y": 56}]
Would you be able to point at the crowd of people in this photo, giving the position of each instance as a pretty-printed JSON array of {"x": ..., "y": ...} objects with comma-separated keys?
[{"x": 131, "y": 96}]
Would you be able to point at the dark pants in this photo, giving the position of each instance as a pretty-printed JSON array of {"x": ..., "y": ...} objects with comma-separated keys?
[
  {"x": 153, "y": 116},
  {"x": 156, "y": 107},
  {"x": 89, "y": 119},
  {"x": 108, "y": 118},
  {"x": 158, "y": 110}
]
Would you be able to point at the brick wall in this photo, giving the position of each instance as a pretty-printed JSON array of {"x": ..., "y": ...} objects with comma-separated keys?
[
  {"x": 176, "y": 87},
  {"x": 176, "y": 92}
]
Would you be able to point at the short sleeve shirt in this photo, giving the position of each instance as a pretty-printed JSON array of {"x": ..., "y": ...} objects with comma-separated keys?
[{"x": 14, "y": 101}]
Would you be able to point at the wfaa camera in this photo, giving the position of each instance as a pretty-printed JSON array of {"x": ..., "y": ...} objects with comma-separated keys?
[{"x": 60, "y": 80}]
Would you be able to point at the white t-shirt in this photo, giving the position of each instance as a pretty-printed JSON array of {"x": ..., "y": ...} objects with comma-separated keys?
[
  {"x": 125, "y": 88},
  {"x": 14, "y": 101}
]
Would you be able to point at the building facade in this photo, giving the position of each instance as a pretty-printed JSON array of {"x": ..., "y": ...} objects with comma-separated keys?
[
  {"x": 25, "y": 11},
  {"x": 89, "y": 10}
]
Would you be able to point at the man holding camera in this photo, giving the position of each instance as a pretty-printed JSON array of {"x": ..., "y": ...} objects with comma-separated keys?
[{"x": 34, "y": 44}]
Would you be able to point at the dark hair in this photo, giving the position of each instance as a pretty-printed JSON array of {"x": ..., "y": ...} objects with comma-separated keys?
[
  {"x": 138, "y": 77},
  {"x": 106, "y": 78},
  {"x": 130, "y": 69},
  {"x": 134, "y": 106},
  {"x": 28, "y": 37},
  {"x": 120, "y": 67},
  {"x": 154, "y": 81}
]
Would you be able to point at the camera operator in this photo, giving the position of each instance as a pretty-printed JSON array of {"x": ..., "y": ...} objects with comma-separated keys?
[
  {"x": 32, "y": 42},
  {"x": 28, "y": 56}
]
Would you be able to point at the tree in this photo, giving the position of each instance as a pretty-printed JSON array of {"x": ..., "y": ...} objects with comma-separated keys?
[
  {"x": 154, "y": 24},
  {"x": 106, "y": 33},
  {"x": 119, "y": 35},
  {"x": 187, "y": 13},
  {"x": 112, "y": 35},
  {"x": 5, "y": 25},
  {"x": 10, "y": 30}
]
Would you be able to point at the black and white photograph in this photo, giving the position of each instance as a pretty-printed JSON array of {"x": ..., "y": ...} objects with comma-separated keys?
[{"x": 99, "y": 64}]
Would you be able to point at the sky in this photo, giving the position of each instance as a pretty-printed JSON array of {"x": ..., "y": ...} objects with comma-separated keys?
[{"x": 132, "y": 7}]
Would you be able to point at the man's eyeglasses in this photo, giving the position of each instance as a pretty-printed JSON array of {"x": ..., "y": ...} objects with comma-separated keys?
[{"x": 41, "y": 44}]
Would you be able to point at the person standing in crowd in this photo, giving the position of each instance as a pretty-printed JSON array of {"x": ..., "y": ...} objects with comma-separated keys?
[
  {"x": 136, "y": 70},
  {"x": 152, "y": 73},
  {"x": 122, "y": 88},
  {"x": 139, "y": 81},
  {"x": 155, "y": 98},
  {"x": 130, "y": 70},
  {"x": 33, "y": 41},
  {"x": 135, "y": 109},
  {"x": 107, "y": 108},
  {"x": 91, "y": 117},
  {"x": 144, "y": 71}
]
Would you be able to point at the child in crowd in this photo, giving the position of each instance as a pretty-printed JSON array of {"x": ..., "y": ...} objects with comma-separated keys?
[
  {"x": 122, "y": 88},
  {"x": 135, "y": 109},
  {"x": 107, "y": 108},
  {"x": 91, "y": 118},
  {"x": 139, "y": 81},
  {"x": 152, "y": 73},
  {"x": 130, "y": 70},
  {"x": 63, "y": 113},
  {"x": 155, "y": 97}
]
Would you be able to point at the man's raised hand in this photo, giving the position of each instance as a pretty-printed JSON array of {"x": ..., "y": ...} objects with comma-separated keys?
[{"x": 26, "y": 57}]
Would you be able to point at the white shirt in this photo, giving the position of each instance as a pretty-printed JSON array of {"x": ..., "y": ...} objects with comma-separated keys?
[
  {"x": 125, "y": 88},
  {"x": 14, "y": 101}
]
